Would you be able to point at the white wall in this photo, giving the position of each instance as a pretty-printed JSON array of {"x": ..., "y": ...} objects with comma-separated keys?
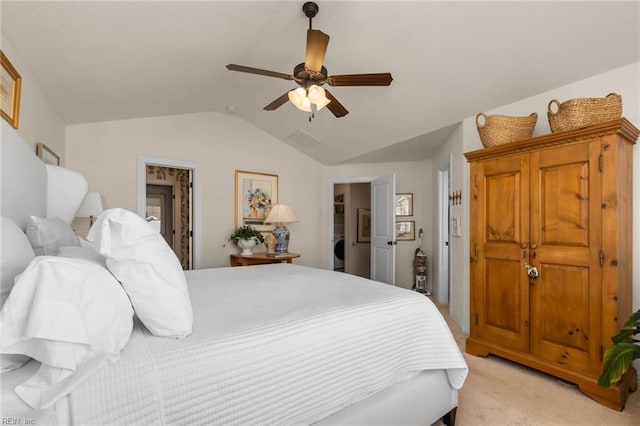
[
  {"x": 414, "y": 177},
  {"x": 624, "y": 81},
  {"x": 106, "y": 154},
  {"x": 37, "y": 120}
]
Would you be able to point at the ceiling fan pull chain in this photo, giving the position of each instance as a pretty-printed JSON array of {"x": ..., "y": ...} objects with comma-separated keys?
[{"x": 314, "y": 108}]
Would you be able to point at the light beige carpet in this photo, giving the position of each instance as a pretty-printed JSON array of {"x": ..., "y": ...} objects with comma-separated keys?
[{"x": 500, "y": 392}]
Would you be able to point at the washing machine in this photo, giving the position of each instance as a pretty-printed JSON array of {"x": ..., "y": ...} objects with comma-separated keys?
[{"x": 338, "y": 252}]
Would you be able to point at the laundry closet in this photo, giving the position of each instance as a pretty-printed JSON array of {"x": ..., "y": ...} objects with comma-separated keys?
[{"x": 351, "y": 228}]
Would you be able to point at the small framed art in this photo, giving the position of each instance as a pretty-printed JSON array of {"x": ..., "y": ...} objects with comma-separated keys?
[
  {"x": 406, "y": 230},
  {"x": 404, "y": 204},
  {"x": 10, "y": 83},
  {"x": 256, "y": 193},
  {"x": 47, "y": 155}
]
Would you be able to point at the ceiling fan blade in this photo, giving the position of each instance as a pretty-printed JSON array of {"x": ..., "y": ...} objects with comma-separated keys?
[
  {"x": 241, "y": 68},
  {"x": 278, "y": 102},
  {"x": 334, "y": 106},
  {"x": 317, "y": 43},
  {"x": 380, "y": 79}
]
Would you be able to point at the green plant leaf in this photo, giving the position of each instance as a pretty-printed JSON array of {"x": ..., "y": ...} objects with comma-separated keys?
[
  {"x": 634, "y": 319},
  {"x": 624, "y": 336},
  {"x": 616, "y": 362},
  {"x": 246, "y": 233}
]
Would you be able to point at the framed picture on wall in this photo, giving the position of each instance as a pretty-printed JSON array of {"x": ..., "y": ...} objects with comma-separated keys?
[
  {"x": 10, "y": 83},
  {"x": 404, "y": 204},
  {"x": 47, "y": 155},
  {"x": 364, "y": 226},
  {"x": 406, "y": 230},
  {"x": 256, "y": 193}
]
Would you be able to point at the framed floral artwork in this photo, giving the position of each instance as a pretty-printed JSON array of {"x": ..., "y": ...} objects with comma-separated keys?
[
  {"x": 10, "y": 83},
  {"x": 256, "y": 193}
]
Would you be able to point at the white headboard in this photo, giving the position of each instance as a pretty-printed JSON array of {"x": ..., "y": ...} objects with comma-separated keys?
[
  {"x": 27, "y": 187},
  {"x": 66, "y": 190}
]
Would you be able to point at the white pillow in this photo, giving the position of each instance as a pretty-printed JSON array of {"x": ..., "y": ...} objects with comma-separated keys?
[
  {"x": 16, "y": 254},
  {"x": 148, "y": 269},
  {"x": 48, "y": 235},
  {"x": 73, "y": 316},
  {"x": 86, "y": 253}
]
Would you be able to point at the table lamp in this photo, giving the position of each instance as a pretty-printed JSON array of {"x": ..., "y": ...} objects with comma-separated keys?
[
  {"x": 281, "y": 214},
  {"x": 91, "y": 207}
]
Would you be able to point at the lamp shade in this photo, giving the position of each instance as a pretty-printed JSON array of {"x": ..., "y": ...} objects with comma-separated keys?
[
  {"x": 304, "y": 98},
  {"x": 281, "y": 213},
  {"x": 298, "y": 97},
  {"x": 317, "y": 95},
  {"x": 91, "y": 206}
]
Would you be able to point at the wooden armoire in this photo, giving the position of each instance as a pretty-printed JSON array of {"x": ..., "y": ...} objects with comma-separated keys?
[{"x": 560, "y": 203}]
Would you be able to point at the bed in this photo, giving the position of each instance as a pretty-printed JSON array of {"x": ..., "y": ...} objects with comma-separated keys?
[{"x": 269, "y": 344}]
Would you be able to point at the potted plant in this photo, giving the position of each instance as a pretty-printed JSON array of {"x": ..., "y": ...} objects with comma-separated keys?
[
  {"x": 246, "y": 238},
  {"x": 626, "y": 348}
]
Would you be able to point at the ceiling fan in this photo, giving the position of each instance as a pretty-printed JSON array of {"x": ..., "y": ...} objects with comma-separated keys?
[{"x": 311, "y": 75}]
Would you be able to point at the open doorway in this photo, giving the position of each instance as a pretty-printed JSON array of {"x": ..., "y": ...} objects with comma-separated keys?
[
  {"x": 160, "y": 210},
  {"x": 378, "y": 226},
  {"x": 352, "y": 228},
  {"x": 168, "y": 208},
  {"x": 169, "y": 198}
]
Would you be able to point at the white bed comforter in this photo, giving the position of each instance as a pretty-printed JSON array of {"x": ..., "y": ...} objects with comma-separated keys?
[{"x": 272, "y": 344}]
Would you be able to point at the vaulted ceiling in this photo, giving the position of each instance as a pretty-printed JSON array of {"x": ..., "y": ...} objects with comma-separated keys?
[{"x": 99, "y": 61}]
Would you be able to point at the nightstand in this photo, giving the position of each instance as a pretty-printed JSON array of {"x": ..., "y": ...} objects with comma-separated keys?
[{"x": 260, "y": 259}]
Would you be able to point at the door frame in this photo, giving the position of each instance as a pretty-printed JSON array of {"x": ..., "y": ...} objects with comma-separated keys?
[
  {"x": 196, "y": 216},
  {"x": 331, "y": 181},
  {"x": 443, "y": 275}
]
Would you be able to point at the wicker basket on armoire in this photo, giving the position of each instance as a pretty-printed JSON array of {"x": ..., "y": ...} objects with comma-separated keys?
[
  {"x": 497, "y": 130},
  {"x": 582, "y": 112}
]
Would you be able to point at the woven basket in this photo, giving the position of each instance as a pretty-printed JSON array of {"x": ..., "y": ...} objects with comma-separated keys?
[
  {"x": 582, "y": 112},
  {"x": 501, "y": 129}
]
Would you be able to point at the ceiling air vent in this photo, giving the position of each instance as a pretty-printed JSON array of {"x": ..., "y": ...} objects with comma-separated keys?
[{"x": 304, "y": 139}]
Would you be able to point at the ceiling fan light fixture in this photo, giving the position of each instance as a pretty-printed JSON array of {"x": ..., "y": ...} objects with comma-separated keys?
[
  {"x": 311, "y": 74},
  {"x": 312, "y": 99},
  {"x": 306, "y": 105},
  {"x": 318, "y": 96},
  {"x": 299, "y": 98}
]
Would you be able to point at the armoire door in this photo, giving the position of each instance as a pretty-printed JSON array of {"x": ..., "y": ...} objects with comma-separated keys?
[
  {"x": 499, "y": 291},
  {"x": 565, "y": 246}
]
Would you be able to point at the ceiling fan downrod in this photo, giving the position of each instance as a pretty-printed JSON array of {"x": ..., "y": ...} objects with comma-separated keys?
[{"x": 310, "y": 10}]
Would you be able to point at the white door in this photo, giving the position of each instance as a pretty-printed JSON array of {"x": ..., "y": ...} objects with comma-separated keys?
[
  {"x": 383, "y": 230},
  {"x": 442, "y": 289}
]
